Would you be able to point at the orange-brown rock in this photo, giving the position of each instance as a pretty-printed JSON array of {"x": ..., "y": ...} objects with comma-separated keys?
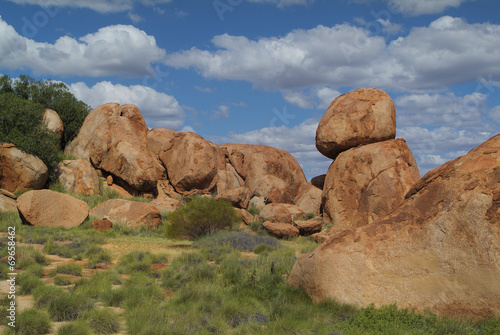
[
  {"x": 51, "y": 209},
  {"x": 281, "y": 230},
  {"x": 440, "y": 249},
  {"x": 308, "y": 227},
  {"x": 102, "y": 225},
  {"x": 114, "y": 139},
  {"x": 19, "y": 170},
  {"x": 238, "y": 197},
  {"x": 158, "y": 137},
  {"x": 165, "y": 204},
  {"x": 364, "y": 116},
  {"x": 7, "y": 204},
  {"x": 191, "y": 163},
  {"x": 246, "y": 217},
  {"x": 165, "y": 189},
  {"x": 267, "y": 172},
  {"x": 319, "y": 181},
  {"x": 309, "y": 199},
  {"x": 53, "y": 122},
  {"x": 284, "y": 213},
  {"x": 78, "y": 176},
  {"x": 131, "y": 213},
  {"x": 366, "y": 183}
]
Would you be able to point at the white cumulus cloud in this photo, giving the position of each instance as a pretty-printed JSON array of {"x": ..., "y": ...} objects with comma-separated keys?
[
  {"x": 102, "y": 6},
  {"x": 112, "y": 50}
]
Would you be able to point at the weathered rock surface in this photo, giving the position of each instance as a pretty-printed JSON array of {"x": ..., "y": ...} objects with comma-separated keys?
[
  {"x": 238, "y": 197},
  {"x": 53, "y": 122},
  {"x": 158, "y": 137},
  {"x": 364, "y": 116},
  {"x": 309, "y": 201},
  {"x": 78, "y": 176},
  {"x": 440, "y": 249},
  {"x": 366, "y": 183},
  {"x": 7, "y": 204},
  {"x": 257, "y": 202},
  {"x": 114, "y": 139},
  {"x": 283, "y": 213},
  {"x": 132, "y": 213},
  {"x": 165, "y": 204},
  {"x": 51, "y": 209},
  {"x": 270, "y": 173},
  {"x": 19, "y": 170},
  {"x": 308, "y": 227},
  {"x": 191, "y": 163},
  {"x": 102, "y": 225},
  {"x": 245, "y": 216},
  {"x": 281, "y": 230},
  {"x": 319, "y": 181}
]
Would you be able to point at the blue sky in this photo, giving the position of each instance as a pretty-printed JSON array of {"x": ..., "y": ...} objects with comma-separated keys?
[{"x": 264, "y": 71}]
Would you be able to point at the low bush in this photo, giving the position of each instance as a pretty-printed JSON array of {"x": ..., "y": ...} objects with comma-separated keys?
[
  {"x": 62, "y": 280},
  {"x": 27, "y": 282},
  {"x": 103, "y": 321},
  {"x": 31, "y": 322},
  {"x": 73, "y": 269},
  {"x": 139, "y": 261},
  {"x": 97, "y": 285},
  {"x": 78, "y": 327},
  {"x": 69, "y": 306},
  {"x": 44, "y": 295},
  {"x": 237, "y": 240},
  {"x": 201, "y": 216}
]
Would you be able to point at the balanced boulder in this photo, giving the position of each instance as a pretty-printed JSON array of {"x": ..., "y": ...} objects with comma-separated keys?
[
  {"x": 53, "y": 122},
  {"x": 364, "y": 116},
  {"x": 51, "y": 209},
  {"x": 19, "y": 170},
  {"x": 439, "y": 250},
  {"x": 366, "y": 183},
  {"x": 131, "y": 213},
  {"x": 114, "y": 139}
]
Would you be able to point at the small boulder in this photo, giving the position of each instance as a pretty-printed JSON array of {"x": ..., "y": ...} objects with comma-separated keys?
[
  {"x": 166, "y": 205},
  {"x": 257, "y": 202},
  {"x": 53, "y": 122},
  {"x": 132, "y": 213},
  {"x": 102, "y": 225},
  {"x": 245, "y": 216},
  {"x": 364, "y": 116},
  {"x": 310, "y": 200},
  {"x": 309, "y": 227},
  {"x": 78, "y": 176},
  {"x": 51, "y": 209},
  {"x": 238, "y": 197},
  {"x": 284, "y": 213},
  {"x": 19, "y": 170},
  {"x": 7, "y": 204},
  {"x": 319, "y": 181},
  {"x": 281, "y": 230}
]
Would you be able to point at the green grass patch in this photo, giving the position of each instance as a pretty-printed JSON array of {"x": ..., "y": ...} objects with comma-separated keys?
[
  {"x": 78, "y": 327},
  {"x": 31, "y": 322},
  {"x": 27, "y": 282},
  {"x": 236, "y": 240},
  {"x": 103, "y": 321},
  {"x": 73, "y": 269}
]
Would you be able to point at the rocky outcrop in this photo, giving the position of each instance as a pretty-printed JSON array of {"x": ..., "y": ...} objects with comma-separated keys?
[
  {"x": 319, "y": 181},
  {"x": 114, "y": 139},
  {"x": 438, "y": 250},
  {"x": 19, "y": 170},
  {"x": 78, "y": 176},
  {"x": 246, "y": 216},
  {"x": 270, "y": 173},
  {"x": 53, "y": 122},
  {"x": 366, "y": 183},
  {"x": 102, "y": 225},
  {"x": 7, "y": 201},
  {"x": 309, "y": 200},
  {"x": 364, "y": 116},
  {"x": 308, "y": 227},
  {"x": 131, "y": 213},
  {"x": 191, "y": 163},
  {"x": 284, "y": 213},
  {"x": 51, "y": 209},
  {"x": 238, "y": 197},
  {"x": 158, "y": 137},
  {"x": 166, "y": 205},
  {"x": 281, "y": 230}
]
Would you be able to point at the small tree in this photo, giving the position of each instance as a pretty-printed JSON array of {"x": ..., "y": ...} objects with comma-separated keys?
[{"x": 201, "y": 216}]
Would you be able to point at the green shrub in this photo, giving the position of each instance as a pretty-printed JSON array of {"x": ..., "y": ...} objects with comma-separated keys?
[
  {"x": 95, "y": 286},
  {"x": 27, "y": 282},
  {"x": 35, "y": 269},
  {"x": 263, "y": 249},
  {"x": 62, "y": 280},
  {"x": 254, "y": 210},
  {"x": 103, "y": 321},
  {"x": 73, "y": 269},
  {"x": 78, "y": 327},
  {"x": 67, "y": 306},
  {"x": 44, "y": 295},
  {"x": 32, "y": 322},
  {"x": 201, "y": 216},
  {"x": 237, "y": 240},
  {"x": 114, "y": 297},
  {"x": 139, "y": 261},
  {"x": 186, "y": 268}
]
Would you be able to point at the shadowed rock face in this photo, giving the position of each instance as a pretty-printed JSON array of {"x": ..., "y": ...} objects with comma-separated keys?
[
  {"x": 131, "y": 213},
  {"x": 364, "y": 116},
  {"x": 366, "y": 183},
  {"x": 114, "y": 139},
  {"x": 440, "y": 249},
  {"x": 19, "y": 170}
]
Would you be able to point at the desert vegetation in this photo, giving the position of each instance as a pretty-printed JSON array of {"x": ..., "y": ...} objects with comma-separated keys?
[{"x": 224, "y": 281}]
